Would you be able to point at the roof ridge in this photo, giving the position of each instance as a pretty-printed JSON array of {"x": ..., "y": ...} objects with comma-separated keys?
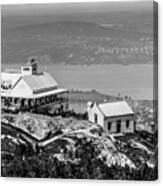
[
  {"x": 112, "y": 102},
  {"x": 14, "y": 85}
]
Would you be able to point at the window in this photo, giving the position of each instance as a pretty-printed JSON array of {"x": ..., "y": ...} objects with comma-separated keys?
[
  {"x": 47, "y": 99},
  {"x": 66, "y": 106},
  {"x": 3, "y": 100},
  {"x": 26, "y": 69},
  {"x": 31, "y": 102},
  {"x": 37, "y": 102},
  {"x": 22, "y": 102},
  {"x": 127, "y": 123},
  {"x": 52, "y": 98},
  {"x": 62, "y": 108},
  {"x": 34, "y": 68},
  {"x": 42, "y": 100},
  {"x": 95, "y": 118},
  {"x": 15, "y": 100},
  {"x": 109, "y": 126},
  {"x": 55, "y": 98}
]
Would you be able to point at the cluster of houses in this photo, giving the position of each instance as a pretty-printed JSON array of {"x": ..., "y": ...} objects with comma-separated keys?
[{"x": 31, "y": 90}]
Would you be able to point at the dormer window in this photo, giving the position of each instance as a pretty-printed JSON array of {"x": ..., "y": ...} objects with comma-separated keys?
[{"x": 26, "y": 69}]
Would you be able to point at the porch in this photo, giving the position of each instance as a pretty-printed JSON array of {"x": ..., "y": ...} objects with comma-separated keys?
[{"x": 35, "y": 102}]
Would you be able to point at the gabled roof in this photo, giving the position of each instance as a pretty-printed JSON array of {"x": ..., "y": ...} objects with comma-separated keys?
[
  {"x": 115, "y": 109},
  {"x": 40, "y": 82}
]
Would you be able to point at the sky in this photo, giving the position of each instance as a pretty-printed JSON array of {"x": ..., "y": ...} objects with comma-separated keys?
[
  {"x": 39, "y": 9},
  {"x": 98, "y": 12}
]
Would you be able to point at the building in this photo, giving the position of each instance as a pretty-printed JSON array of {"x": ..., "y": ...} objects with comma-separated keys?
[
  {"x": 28, "y": 89},
  {"x": 115, "y": 117}
]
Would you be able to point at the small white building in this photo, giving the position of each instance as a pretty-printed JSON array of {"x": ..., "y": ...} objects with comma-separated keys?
[
  {"x": 28, "y": 89},
  {"x": 115, "y": 117}
]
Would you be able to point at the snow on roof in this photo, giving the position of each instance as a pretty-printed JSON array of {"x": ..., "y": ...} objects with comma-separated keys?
[
  {"x": 115, "y": 109},
  {"x": 40, "y": 82}
]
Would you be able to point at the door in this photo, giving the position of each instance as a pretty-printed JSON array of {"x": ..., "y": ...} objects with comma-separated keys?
[
  {"x": 118, "y": 126},
  {"x": 22, "y": 103},
  {"x": 109, "y": 126}
]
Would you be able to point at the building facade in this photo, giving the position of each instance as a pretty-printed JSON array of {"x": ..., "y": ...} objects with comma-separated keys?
[
  {"x": 31, "y": 90},
  {"x": 116, "y": 117}
]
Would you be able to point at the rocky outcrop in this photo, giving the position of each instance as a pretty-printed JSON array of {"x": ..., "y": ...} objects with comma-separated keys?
[{"x": 73, "y": 148}]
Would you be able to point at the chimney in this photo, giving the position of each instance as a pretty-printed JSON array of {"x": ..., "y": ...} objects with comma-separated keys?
[
  {"x": 31, "y": 67},
  {"x": 89, "y": 105}
]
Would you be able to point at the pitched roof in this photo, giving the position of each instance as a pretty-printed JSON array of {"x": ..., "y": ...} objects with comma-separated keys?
[
  {"x": 115, "y": 109},
  {"x": 41, "y": 82}
]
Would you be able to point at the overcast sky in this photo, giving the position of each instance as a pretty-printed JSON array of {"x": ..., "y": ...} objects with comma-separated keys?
[{"x": 40, "y": 9}]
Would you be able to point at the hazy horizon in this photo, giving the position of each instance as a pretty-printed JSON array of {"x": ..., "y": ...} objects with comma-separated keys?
[
  {"x": 15, "y": 15},
  {"x": 48, "y": 8}
]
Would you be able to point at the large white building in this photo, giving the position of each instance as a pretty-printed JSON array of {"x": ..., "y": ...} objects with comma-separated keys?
[
  {"x": 116, "y": 117},
  {"x": 29, "y": 89}
]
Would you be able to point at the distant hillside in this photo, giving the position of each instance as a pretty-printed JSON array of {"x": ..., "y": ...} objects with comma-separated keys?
[
  {"x": 77, "y": 28},
  {"x": 94, "y": 96},
  {"x": 78, "y": 42}
]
